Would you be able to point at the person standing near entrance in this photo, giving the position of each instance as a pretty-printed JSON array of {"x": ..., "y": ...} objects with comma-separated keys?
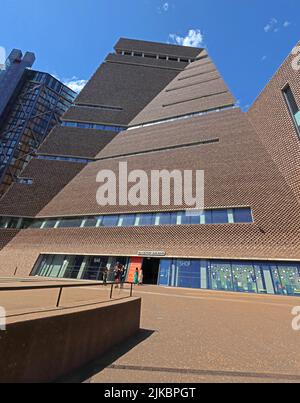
[
  {"x": 122, "y": 276},
  {"x": 105, "y": 275},
  {"x": 141, "y": 277},
  {"x": 136, "y": 277},
  {"x": 117, "y": 273}
]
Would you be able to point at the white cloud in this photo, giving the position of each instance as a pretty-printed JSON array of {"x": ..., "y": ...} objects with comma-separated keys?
[
  {"x": 264, "y": 58},
  {"x": 194, "y": 38},
  {"x": 2, "y": 57},
  {"x": 272, "y": 26},
  {"x": 75, "y": 84},
  {"x": 164, "y": 7}
]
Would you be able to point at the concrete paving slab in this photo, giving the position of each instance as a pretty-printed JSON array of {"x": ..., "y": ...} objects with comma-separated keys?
[{"x": 209, "y": 337}]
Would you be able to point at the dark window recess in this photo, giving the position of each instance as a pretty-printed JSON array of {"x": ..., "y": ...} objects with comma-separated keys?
[
  {"x": 70, "y": 223},
  {"x": 50, "y": 223},
  {"x": 36, "y": 224},
  {"x": 13, "y": 223},
  {"x": 25, "y": 181},
  {"x": 26, "y": 223},
  {"x": 150, "y": 56},
  {"x": 91, "y": 221},
  {"x": 292, "y": 105}
]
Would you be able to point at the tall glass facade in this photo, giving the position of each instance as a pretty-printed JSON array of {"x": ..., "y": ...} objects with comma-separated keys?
[
  {"x": 220, "y": 275},
  {"x": 32, "y": 113}
]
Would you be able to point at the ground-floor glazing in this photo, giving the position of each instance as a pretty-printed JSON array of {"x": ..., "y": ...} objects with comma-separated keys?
[{"x": 256, "y": 277}]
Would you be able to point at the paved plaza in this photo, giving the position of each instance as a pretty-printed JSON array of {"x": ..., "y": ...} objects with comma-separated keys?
[
  {"x": 186, "y": 335},
  {"x": 205, "y": 336}
]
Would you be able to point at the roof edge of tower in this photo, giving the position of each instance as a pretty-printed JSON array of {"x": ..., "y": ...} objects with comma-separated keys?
[{"x": 127, "y": 44}]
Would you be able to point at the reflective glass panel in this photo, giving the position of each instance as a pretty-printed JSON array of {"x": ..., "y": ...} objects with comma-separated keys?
[
  {"x": 279, "y": 289},
  {"x": 220, "y": 216},
  {"x": 128, "y": 220},
  {"x": 37, "y": 224},
  {"x": 260, "y": 279},
  {"x": 50, "y": 223},
  {"x": 110, "y": 221},
  {"x": 70, "y": 223},
  {"x": 220, "y": 276},
  {"x": 146, "y": 219},
  {"x": 167, "y": 218},
  {"x": 244, "y": 277},
  {"x": 73, "y": 266},
  {"x": 242, "y": 215},
  {"x": 290, "y": 279},
  {"x": 188, "y": 273},
  {"x": 164, "y": 272},
  {"x": 90, "y": 221}
]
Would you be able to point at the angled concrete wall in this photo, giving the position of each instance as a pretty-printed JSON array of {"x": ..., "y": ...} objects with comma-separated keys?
[{"x": 42, "y": 349}]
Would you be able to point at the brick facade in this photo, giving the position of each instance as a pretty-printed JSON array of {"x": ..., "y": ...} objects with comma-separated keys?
[{"x": 241, "y": 169}]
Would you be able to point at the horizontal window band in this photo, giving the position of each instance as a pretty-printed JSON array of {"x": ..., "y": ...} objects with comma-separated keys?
[
  {"x": 195, "y": 99},
  {"x": 102, "y": 107},
  {"x": 146, "y": 65},
  {"x": 95, "y": 126},
  {"x": 193, "y": 85},
  {"x": 64, "y": 159},
  {"x": 186, "y": 116},
  {"x": 242, "y": 215},
  {"x": 196, "y": 75},
  {"x": 159, "y": 56},
  {"x": 24, "y": 181},
  {"x": 168, "y": 148}
]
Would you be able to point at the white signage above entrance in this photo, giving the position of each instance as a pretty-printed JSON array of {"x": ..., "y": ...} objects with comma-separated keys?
[{"x": 152, "y": 253}]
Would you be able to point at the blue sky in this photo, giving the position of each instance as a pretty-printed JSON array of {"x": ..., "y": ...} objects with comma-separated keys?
[{"x": 248, "y": 39}]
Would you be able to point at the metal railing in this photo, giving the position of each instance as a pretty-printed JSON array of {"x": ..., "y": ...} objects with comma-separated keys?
[{"x": 61, "y": 287}]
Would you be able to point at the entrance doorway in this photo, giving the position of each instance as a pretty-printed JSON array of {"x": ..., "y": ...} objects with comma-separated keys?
[{"x": 150, "y": 269}]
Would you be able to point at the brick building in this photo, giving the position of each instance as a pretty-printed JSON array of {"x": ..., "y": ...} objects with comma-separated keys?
[{"x": 158, "y": 106}]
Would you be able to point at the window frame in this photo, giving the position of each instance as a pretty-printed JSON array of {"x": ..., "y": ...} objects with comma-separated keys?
[{"x": 287, "y": 101}]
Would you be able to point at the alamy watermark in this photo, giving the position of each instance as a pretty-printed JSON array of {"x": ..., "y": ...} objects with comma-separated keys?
[
  {"x": 2, "y": 319},
  {"x": 159, "y": 188},
  {"x": 296, "y": 320},
  {"x": 296, "y": 60}
]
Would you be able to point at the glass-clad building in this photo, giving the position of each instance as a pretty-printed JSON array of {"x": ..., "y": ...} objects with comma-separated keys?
[{"x": 35, "y": 106}]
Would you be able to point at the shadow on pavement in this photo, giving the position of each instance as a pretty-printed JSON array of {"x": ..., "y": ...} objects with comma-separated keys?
[{"x": 83, "y": 374}]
